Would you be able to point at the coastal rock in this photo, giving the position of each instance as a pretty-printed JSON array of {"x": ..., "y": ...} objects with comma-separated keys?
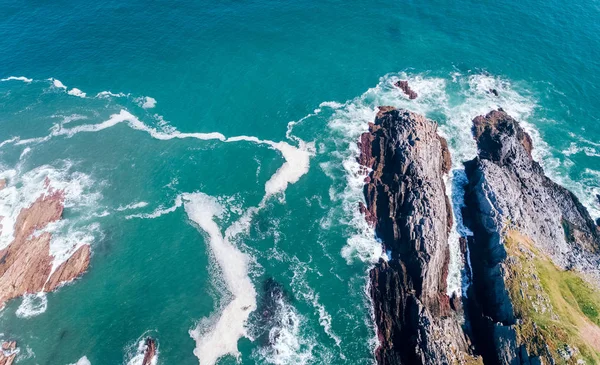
[
  {"x": 521, "y": 220},
  {"x": 8, "y": 353},
  {"x": 403, "y": 85},
  {"x": 406, "y": 200},
  {"x": 26, "y": 263},
  {"x": 2, "y": 183},
  {"x": 149, "y": 351}
]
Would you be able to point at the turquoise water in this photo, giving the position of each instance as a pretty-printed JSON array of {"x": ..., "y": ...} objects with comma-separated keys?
[{"x": 249, "y": 68}]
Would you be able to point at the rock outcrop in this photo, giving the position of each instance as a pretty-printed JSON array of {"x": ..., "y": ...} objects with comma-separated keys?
[
  {"x": 528, "y": 231},
  {"x": 149, "y": 351},
  {"x": 403, "y": 85},
  {"x": 407, "y": 204},
  {"x": 8, "y": 353},
  {"x": 26, "y": 263}
]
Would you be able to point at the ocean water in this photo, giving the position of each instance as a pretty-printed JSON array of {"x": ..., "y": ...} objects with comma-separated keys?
[{"x": 208, "y": 148}]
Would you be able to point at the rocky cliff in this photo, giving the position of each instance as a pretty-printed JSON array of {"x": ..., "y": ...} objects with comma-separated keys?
[
  {"x": 534, "y": 255},
  {"x": 407, "y": 204},
  {"x": 26, "y": 263}
]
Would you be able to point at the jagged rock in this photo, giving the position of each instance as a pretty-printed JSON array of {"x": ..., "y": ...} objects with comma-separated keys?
[
  {"x": 8, "y": 353},
  {"x": 508, "y": 191},
  {"x": 406, "y": 200},
  {"x": 403, "y": 85},
  {"x": 26, "y": 263},
  {"x": 494, "y": 92},
  {"x": 149, "y": 351}
]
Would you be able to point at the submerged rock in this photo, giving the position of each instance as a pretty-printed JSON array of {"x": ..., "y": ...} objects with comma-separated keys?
[
  {"x": 149, "y": 351},
  {"x": 407, "y": 204},
  {"x": 26, "y": 263},
  {"x": 528, "y": 231},
  {"x": 403, "y": 85},
  {"x": 8, "y": 352}
]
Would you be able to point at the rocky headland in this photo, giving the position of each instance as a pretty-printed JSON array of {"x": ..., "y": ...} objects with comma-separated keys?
[
  {"x": 407, "y": 204},
  {"x": 534, "y": 253},
  {"x": 26, "y": 263}
]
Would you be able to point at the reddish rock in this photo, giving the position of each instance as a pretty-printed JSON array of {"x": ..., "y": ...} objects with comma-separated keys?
[
  {"x": 403, "y": 85},
  {"x": 2, "y": 183},
  {"x": 149, "y": 351},
  {"x": 26, "y": 263},
  {"x": 8, "y": 353},
  {"x": 407, "y": 204}
]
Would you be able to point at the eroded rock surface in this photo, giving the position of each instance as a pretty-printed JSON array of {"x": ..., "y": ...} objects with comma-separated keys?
[
  {"x": 403, "y": 85},
  {"x": 149, "y": 351},
  {"x": 407, "y": 204},
  {"x": 521, "y": 220},
  {"x": 26, "y": 263},
  {"x": 8, "y": 353}
]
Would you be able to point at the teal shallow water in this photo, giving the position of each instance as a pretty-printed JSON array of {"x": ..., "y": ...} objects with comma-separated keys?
[{"x": 249, "y": 68}]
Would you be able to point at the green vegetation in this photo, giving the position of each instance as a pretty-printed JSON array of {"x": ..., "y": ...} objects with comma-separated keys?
[{"x": 558, "y": 310}]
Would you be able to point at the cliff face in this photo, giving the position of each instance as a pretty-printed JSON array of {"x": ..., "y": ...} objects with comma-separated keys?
[
  {"x": 26, "y": 263},
  {"x": 407, "y": 204},
  {"x": 528, "y": 231}
]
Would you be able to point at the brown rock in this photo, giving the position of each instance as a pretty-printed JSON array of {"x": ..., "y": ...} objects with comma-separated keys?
[
  {"x": 403, "y": 85},
  {"x": 8, "y": 353},
  {"x": 407, "y": 204},
  {"x": 2, "y": 183},
  {"x": 25, "y": 264},
  {"x": 70, "y": 269},
  {"x": 149, "y": 351}
]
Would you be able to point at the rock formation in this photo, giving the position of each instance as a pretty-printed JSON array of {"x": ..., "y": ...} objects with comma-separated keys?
[
  {"x": 149, "y": 351},
  {"x": 8, "y": 353},
  {"x": 403, "y": 85},
  {"x": 530, "y": 234},
  {"x": 26, "y": 263},
  {"x": 407, "y": 204}
]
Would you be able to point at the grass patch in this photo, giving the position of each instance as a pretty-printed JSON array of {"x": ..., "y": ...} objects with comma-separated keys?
[{"x": 558, "y": 311}]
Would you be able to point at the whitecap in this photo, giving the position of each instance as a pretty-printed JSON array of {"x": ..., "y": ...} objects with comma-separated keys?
[
  {"x": 76, "y": 92},
  {"x": 32, "y": 305},
  {"x": 83, "y": 361},
  {"x": 18, "y": 78},
  {"x": 132, "y": 206},
  {"x": 58, "y": 83}
]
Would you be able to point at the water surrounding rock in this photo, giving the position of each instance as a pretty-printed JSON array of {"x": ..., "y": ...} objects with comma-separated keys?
[{"x": 407, "y": 204}]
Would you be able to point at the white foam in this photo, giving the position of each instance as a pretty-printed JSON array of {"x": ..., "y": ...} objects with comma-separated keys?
[
  {"x": 222, "y": 337},
  {"x": 58, "y": 84},
  {"x": 76, "y": 92},
  {"x": 25, "y": 152},
  {"x": 132, "y": 206},
  {"x": 160, "y": 211},
  {"x": 108, "y": 94},
  {"x": 83, "y": 361},
  {"x": 18, "y": 78},
  {"x": 146, "y": 102},
  {"x": 288, "y": 344},
  {"x": 136, "y": 355},
  {"x": 32, "y": 305}
]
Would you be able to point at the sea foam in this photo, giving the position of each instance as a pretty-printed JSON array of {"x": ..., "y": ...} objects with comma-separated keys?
[{"x": 221, "y": 339}]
